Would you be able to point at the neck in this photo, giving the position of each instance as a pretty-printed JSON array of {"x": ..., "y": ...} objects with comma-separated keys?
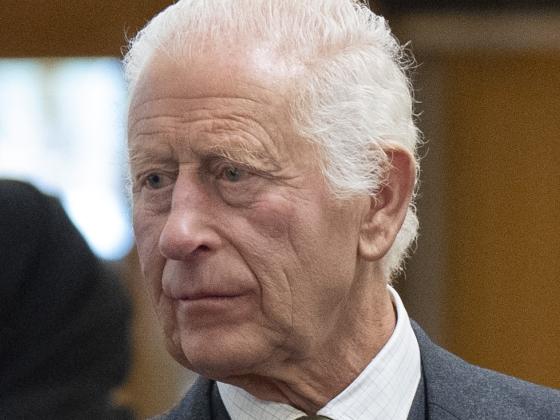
[{"x": 365, "y": 322}]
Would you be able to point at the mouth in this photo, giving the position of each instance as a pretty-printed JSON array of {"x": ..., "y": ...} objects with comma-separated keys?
[
  {"x": 200, "y": 296},
  {"x": 209, "y": 307}
]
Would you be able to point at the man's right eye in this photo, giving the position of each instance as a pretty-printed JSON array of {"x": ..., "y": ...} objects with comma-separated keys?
[{"x": 155, "y": 181}]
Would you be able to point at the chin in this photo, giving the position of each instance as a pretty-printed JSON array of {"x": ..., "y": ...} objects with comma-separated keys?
[{"x": 221, "y": 358}]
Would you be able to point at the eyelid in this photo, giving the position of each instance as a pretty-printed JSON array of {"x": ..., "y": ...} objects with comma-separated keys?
[{"x": 140, "y": 179}]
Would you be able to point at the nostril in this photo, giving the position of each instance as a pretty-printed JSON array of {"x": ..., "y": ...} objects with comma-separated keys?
[{"x": 201, "y": 249}]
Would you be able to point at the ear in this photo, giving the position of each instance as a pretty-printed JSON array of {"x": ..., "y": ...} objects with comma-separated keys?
[{"x": 388, "y": 207}]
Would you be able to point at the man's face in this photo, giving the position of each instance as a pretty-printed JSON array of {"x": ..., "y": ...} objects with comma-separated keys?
[{"x": 250, "y": 260}]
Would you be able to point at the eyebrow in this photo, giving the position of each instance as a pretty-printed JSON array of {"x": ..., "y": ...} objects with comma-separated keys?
[
  {"x": 243, "y": 155},
  {"x": 140, "y": 156}
]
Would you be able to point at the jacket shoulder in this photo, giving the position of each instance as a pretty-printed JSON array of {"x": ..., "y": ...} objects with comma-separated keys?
[{"x": 456, "y": 389}]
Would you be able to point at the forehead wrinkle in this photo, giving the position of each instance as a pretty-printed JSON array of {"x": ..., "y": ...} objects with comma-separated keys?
[
  {"x": 155, "y": 152},
  {"x": 243, "y": 134},
  {"x": 221, "y": 127},
  {"x": 239, "y": 145},
  {"x": 250, "y": 132},
  {"x": 179, "y": 102},
  {"x": 165, "y": 125},
  {"x": 215, "y": 115}
]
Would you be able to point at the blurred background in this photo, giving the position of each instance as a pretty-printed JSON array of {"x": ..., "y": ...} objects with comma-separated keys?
[{"x": 484, "y": 281}]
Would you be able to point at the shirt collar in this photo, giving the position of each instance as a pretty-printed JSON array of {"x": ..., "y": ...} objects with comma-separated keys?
[{"x": 385, "y": 388}]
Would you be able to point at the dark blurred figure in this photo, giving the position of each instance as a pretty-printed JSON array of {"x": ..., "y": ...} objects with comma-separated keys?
[{"x": 64, "y": 319}]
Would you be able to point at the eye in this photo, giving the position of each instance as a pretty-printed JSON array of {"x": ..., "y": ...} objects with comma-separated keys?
[
  {"x": 155, "y": 181},
  {"x": 233, "y": 173}
]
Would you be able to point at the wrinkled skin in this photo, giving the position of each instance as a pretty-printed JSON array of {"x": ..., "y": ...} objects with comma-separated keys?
[{"x": 260, "y": 277}]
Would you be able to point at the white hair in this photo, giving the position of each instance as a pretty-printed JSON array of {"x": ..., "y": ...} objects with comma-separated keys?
[{"x": 354, "y": 99}]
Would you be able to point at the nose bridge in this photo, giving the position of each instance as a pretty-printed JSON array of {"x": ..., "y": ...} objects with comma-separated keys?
[
  {"x": 187, "y": 232},
  {"x": 188, "y": 191}
]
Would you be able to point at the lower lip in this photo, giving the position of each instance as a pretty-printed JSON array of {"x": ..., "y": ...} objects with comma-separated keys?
[{"x": 210, "y": 304}]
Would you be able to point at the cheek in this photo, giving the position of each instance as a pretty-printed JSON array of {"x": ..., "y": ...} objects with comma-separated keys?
[
  {"x": 288, "y": 260},
  {"x": 272, "y": 218},
  {"x": 315, "y": 246},
  {"x": 264, "y": 243},
  {"x": 147, "y": 230},
  {"x": 288, "y": 226}
]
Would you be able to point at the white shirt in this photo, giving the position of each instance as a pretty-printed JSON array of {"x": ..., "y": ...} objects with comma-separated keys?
[{"x": 384, "y": 390}]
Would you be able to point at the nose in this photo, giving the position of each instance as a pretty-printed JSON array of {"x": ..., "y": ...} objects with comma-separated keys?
[{"x": 187, "y": 232}]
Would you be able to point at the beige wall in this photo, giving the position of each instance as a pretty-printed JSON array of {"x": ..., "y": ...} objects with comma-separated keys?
[
  {"x": 489, "y": 249},
  {"x": 33, "y": 28},
  {"x": 504, "y": 180}
]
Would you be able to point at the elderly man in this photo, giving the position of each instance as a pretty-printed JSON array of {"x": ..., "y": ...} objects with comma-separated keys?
[{"x": 272, "y": 151}]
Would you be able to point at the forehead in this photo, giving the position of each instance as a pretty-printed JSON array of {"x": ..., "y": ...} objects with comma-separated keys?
[
  {"x": 220, "y": 94},
  {"x": 251, "y": 73}
]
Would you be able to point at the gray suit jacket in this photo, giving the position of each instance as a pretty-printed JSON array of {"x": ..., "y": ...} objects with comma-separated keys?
[{"x": 449, "y": 389}]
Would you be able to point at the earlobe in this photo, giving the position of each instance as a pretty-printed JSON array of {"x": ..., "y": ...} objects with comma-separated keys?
[{"x": 388, "y": 206}]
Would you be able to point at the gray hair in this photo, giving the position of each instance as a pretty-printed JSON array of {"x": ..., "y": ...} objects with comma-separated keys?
[{"x": 354, "y": 99}]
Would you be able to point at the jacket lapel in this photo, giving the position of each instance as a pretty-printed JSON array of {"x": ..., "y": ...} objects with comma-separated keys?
[
  {"x": 418, "y": 410},
  {"x": 196, "y": 404},
  {"x": 219, "y": 411}
]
